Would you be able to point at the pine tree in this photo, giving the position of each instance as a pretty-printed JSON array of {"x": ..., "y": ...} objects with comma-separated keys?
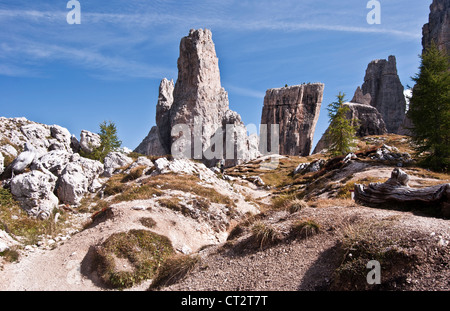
[
  {"x": 109, "y": 142},
  {"x": 429, "y": 109},
  {"x": 341, "y": 133}
]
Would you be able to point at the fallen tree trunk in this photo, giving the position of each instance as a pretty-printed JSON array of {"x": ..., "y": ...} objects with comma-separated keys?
[{"x": 396, "y": 190}]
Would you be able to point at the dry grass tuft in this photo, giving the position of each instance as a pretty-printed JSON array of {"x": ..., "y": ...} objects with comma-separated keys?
[
  {"x": 305, "y": 228},
  {"x": 264, "y": 234},
  {"x": 296, "y": 205},
  {"x": 173, "y": 270},
  {"x": 14, "y": 220}
]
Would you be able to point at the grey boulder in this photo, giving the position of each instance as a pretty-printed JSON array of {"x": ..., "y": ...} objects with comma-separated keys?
[
  {"x": 34, "y": 191},
  {"x": 114, "y": 161},
  {"x": 79, "y": 177},
  {"x": 89, "y": 141}
]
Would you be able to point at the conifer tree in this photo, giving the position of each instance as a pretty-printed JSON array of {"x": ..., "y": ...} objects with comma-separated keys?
[
  {"x": 429, "y": 109},
  {"x": 341, "y": 133},
  {"x": 109, "y": 142}
]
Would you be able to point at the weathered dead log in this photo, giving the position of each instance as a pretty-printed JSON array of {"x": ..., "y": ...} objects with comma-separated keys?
[{"x": 396, "y": 190}]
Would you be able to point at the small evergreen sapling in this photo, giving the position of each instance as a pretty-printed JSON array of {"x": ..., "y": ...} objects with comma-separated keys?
[{"x": 341, "y": 134}]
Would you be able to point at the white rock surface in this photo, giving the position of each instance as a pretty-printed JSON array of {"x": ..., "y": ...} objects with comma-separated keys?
[
  {"x": 113, "y": 161},
  {"x": 54, "y": 161},
  {"x": 89, "y": 141},
  {"x": 72, "y": 184},
  {"x": 34, "y": 190},
  {"x": 78, "y": 178}
]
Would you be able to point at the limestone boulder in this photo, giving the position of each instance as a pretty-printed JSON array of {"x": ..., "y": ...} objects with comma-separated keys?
[
  {"x": 34, "y": 191},
  {"x": 113, "y": 163},
  {"x": 89, "y": 141},
  {"x": 37, "y": 136},
  {"x": 6, "y": 241},
  {"x": 55, "y": 161},
  {"x": 22, "y": 162},
  {"x": 61, "y": 139},
  {"x": 78, "y": 178},
  {"x": 141, "y": 162},
  {"x": 72, "y": 184}
]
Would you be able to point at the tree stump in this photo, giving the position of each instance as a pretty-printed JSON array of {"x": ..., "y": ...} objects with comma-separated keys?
[{"x": 396, "y": 190}]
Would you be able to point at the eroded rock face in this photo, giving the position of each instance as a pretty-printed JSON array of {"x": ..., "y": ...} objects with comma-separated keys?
[
  {"x": 383, "y": 84},
  {"x": 199, "y": 105},
  {"x": 361, "y": 98},
  {"x": 438, "y": 27},
  {"x": 198, "y": 94},
  {"x": 2, "y": 167},
  {"x": 370, "y": 120},
  {"x": 165, "y": 101},
  {"x": 296, "y": 110},
  {"x": 151, "y": 145}
]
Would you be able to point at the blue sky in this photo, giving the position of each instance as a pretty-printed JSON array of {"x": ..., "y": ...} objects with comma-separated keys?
[{"x": 109, "y": 67}]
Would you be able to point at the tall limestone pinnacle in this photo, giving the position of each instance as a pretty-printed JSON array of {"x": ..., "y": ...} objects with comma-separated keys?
[
  {"x": 198, "y": 95},
  {"x": 383, "y": 84},
  {"x": 199, "y": 104},
  {"x": 438, "y": 27}
]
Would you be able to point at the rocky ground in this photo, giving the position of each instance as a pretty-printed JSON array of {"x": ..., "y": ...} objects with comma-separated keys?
[{"x": 231, "y": 257}]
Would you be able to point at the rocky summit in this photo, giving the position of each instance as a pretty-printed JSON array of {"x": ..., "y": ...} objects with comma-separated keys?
[
  {"x": 197, "y": 109},
  {"x": 296, "y": 110},
  {"x": 383, "y": 84},
  {"x": 438, "y": 27}
]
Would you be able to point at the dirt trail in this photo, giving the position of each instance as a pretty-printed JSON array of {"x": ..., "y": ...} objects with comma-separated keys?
[{"x": 66, "y": 267}]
